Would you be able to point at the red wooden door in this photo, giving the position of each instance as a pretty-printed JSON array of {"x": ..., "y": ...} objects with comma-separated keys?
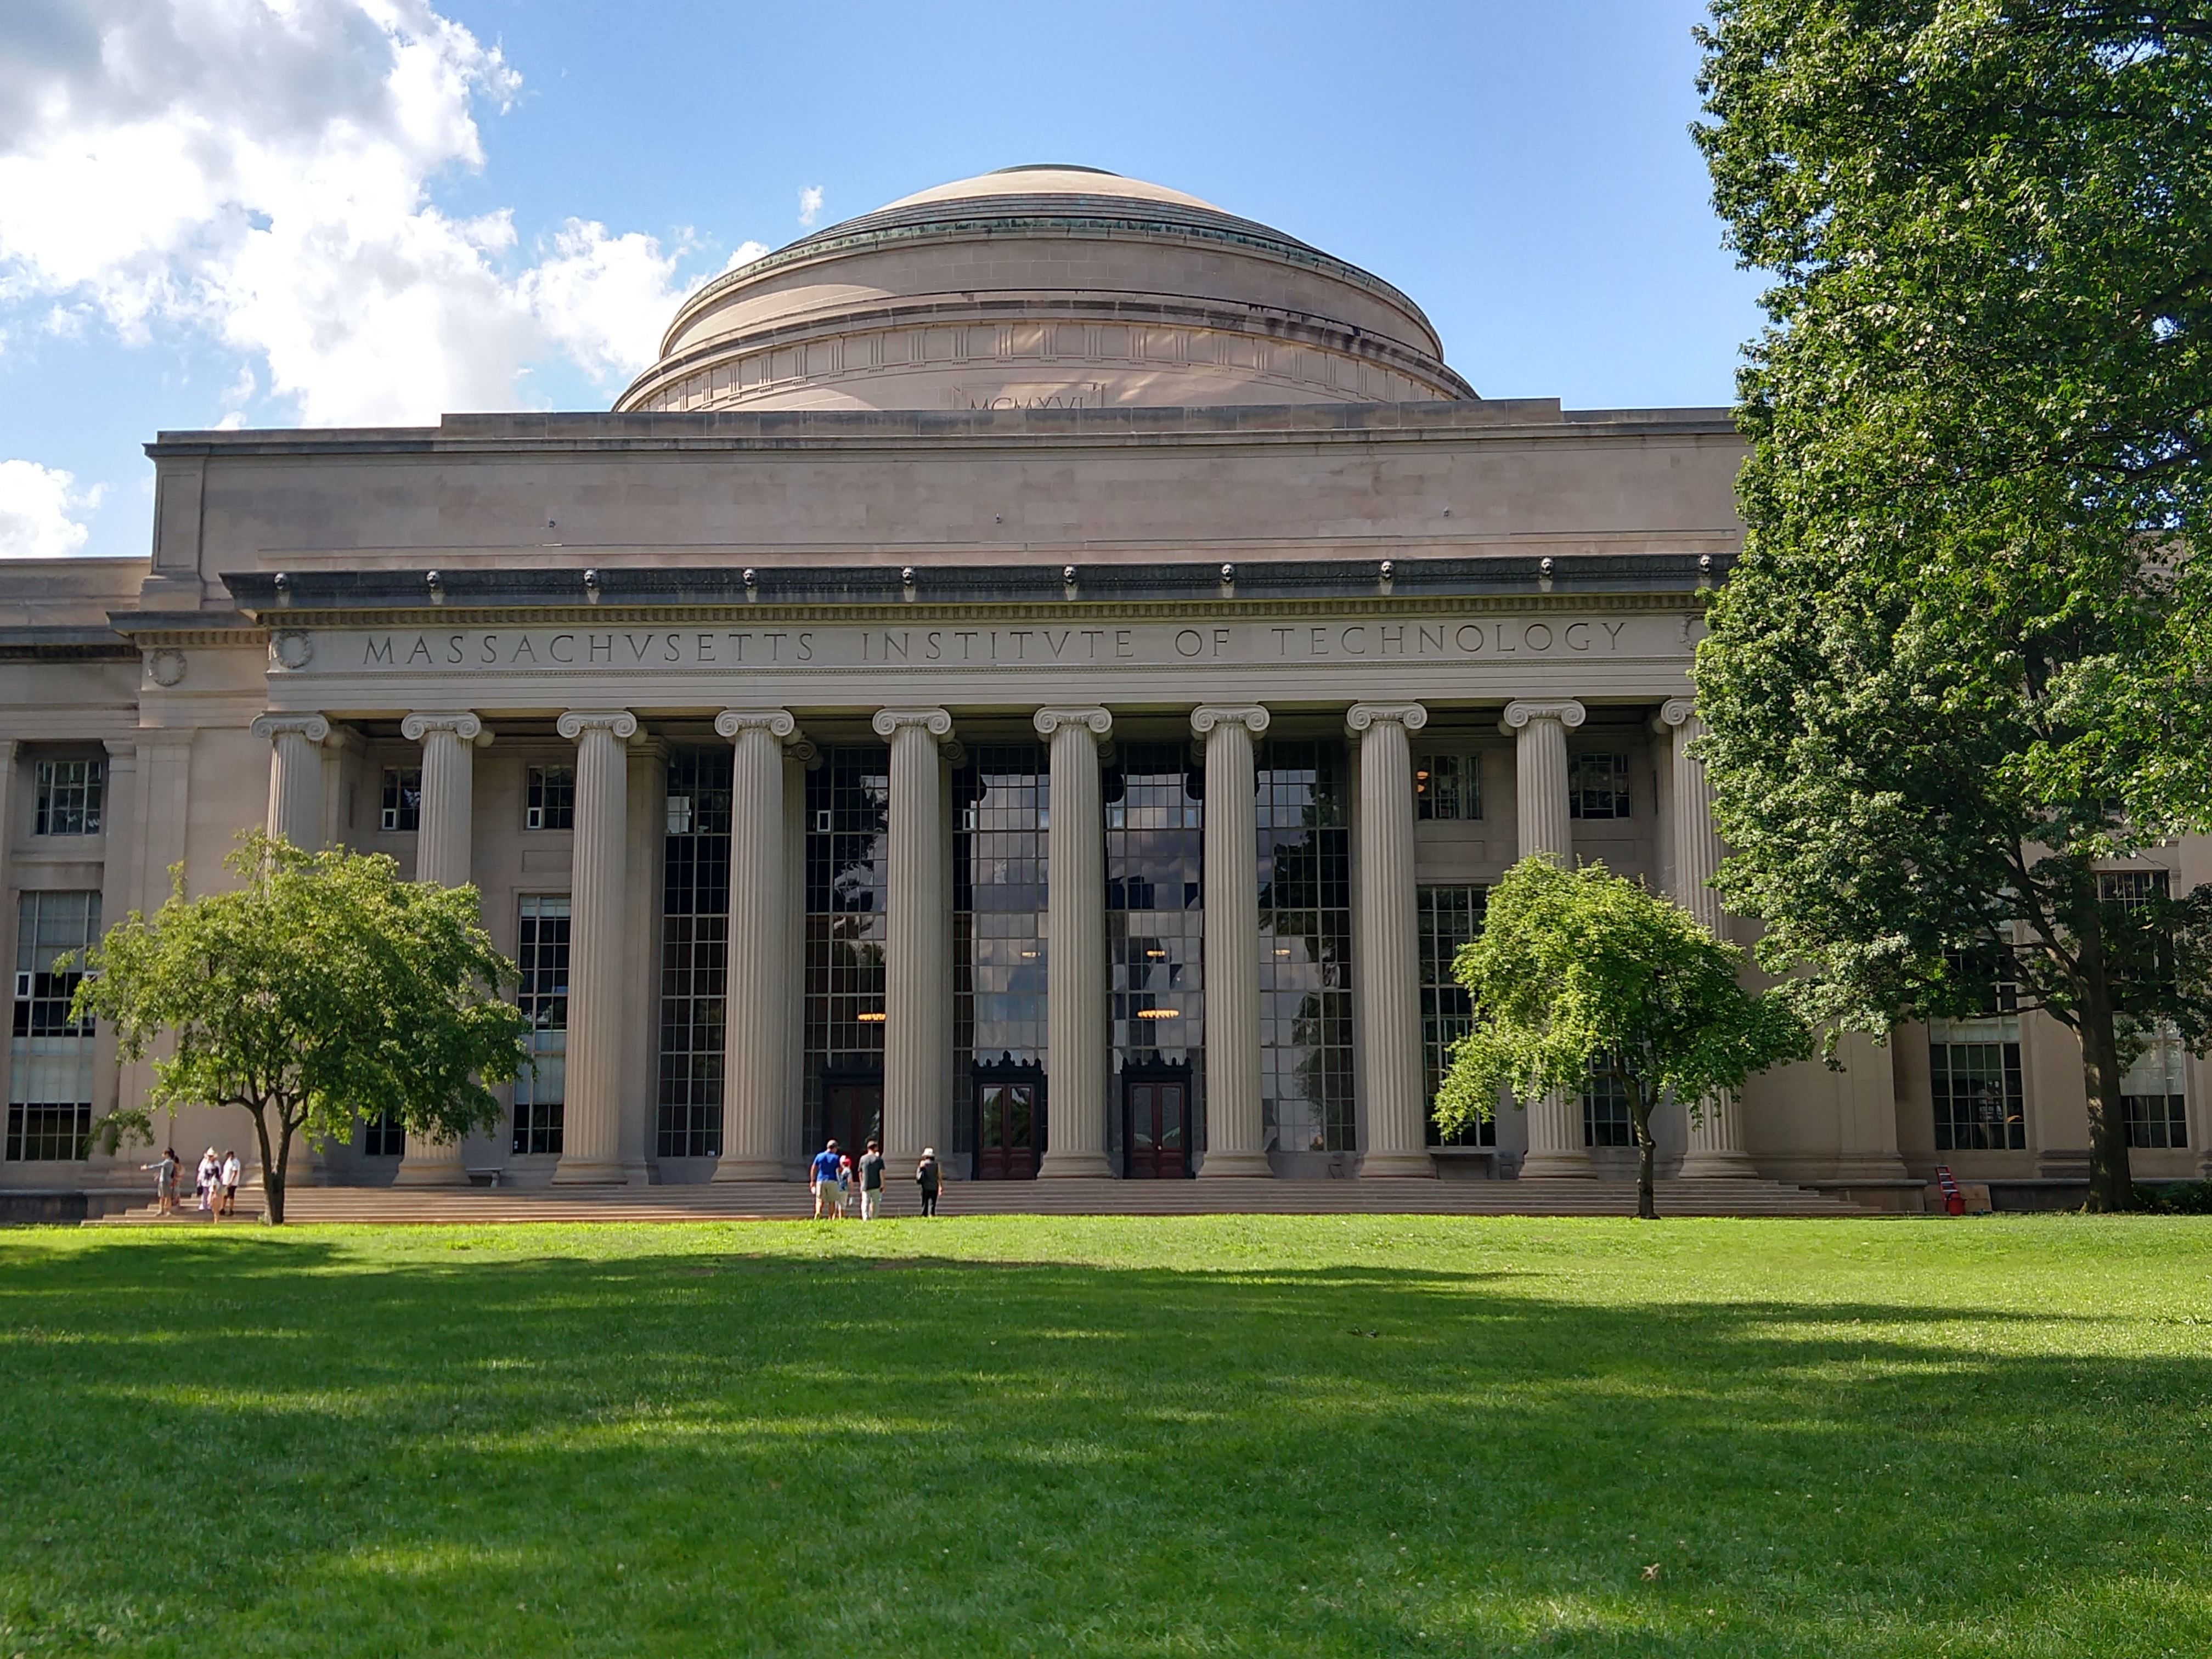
[
  {"x": 1005, "y": 1136},
  {"x": 1159, "y": 1130},
  {"x": 853, "y": 1115}
]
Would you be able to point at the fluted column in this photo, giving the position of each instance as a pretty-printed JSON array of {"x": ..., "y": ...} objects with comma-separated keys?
[
  {"x": 918, "y": 948},
  {"x": 1716, "y": 1145},
  {"x": 1540, "y": 756},
  {"x": 442, "y": 856},
  {"x": 755, "y": 1051},
  {"x": 590, "y": 1136},
  {"x": 1236, "y": 1142},
  {"x": 1388, "y": 960},
  {"x": 1075, "y": 946},
  {"x": 295, "y": 776}
]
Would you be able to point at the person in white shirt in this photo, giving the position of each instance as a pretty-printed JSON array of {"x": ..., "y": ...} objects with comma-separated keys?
[
  {"x": 209, "y": 1171},
  {"x": 231, "y": 1170}
]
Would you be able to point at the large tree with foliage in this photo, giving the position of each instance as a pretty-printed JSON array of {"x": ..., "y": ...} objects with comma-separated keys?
[
  {"x": 1581, "y": 971},
  {"x": 1960, "y": 673},
  {"x": 321, "y": 990}
]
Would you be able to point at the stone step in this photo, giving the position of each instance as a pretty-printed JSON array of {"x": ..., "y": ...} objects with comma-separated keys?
[{"x": 789, "y": 1201}]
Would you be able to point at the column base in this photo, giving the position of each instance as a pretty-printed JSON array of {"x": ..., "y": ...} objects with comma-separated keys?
[
  {"x": 1245, "y": 1165},
  {"x": 1730, "y": 1162},
  {"x": 1075, "y": 1166},
  {"x": 751, "y": 1169},
  {"x": 437, "y": 1165},
  {"x": 1396, "y": 1165},
  {"x": 1573, "y": 1165},
  {"x": 575, "y": 1172}
]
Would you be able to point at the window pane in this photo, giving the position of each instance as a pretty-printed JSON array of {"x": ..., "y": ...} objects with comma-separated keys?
[
  {"x": 549, "y": 800},
  {"x": 1448, "y": 917},
  {"x": 70, "y": 792},
  {"x": 1977, "y": 1095},
  {"x": 50, "y": 1070},
  {"x": 403, "y": 800}
]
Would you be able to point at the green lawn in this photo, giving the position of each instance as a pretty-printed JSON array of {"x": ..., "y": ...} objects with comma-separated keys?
[{"x": 1221, "y": 1436}]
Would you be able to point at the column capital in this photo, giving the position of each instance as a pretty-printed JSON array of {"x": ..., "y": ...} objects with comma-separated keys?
[
  {"x": 935, "y": 721},
  {"x": 1674, "y": 712},
  {"x": 1361, "y": 716},
  {"x": 776, "y": 722},
  {"x": 1518, "y": 712},
  {"x": 468, "y": 727},
  {"x": 805, "y": 751},
  {"x": 577, "y": 722},
  {"x": 1049, "y": 720},
  {"x": 1250, "y": 716},
  {"x": 313, "y": 727}
]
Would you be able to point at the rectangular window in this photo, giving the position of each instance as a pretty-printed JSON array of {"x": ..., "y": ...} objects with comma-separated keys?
[
  {"x": 848, "y": 806},
  {"x": 1003, "y": 812},
  {"x": 1597, "y": 786},
  {"x": 2154, "y": 1095},
  {"x": 70, "y": 794},
  {"x": 1979, "y": 1099},
  {"x": 2133, "y": 890},
  {"x": 383, "y": 1136},
  {"x": 541, "y": 953},
  {"x": 403, "y": 799},
  {"x": 550, "y": 798},
  {"x": 1155, "y": 929},
  {"x": 1305, "y": 948},
  {"x": 1448, "y": 917},
  {"x": 1606, "y": 1122},
  {"x": 1447, "y": 788},
  {"x": 50, "y": 1070},
  {"x": 695, "y": 953}
]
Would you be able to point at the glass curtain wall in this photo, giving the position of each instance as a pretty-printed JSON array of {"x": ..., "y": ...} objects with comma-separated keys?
[
  {"x": 693, "y": 953},
  {"x": 1155, "y": 922},
  {"x": 1001, "y": 813},
  {"x": 1305, "y": 948},
  {"x": 848, "y": 824},
  {"x": 1449, "y": 918}
]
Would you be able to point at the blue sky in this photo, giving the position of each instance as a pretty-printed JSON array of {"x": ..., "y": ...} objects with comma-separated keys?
[{"x": 366, "y": 211}]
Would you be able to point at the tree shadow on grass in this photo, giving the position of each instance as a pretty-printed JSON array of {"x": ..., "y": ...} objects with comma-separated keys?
[{"x": 498, "y": 1451}]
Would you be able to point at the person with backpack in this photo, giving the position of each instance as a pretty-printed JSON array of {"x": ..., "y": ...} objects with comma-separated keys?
[
  {"x": 872, "y": 1182},
  {"x": 930, "y": 1178}
]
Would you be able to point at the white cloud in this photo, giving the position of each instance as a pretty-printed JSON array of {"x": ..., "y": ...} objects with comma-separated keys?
[
  {"x": 37, "y": 509},
  {"x": 261, "y": 169},
  {"x": 810, "y": 206},
  {"x": 745, "y": 254}
]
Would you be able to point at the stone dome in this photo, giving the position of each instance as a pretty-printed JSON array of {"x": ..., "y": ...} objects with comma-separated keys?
[{"x": 1050, "y": 287}]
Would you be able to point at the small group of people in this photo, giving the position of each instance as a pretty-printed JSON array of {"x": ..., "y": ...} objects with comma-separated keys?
[
  {"x": 216, "y": 1181},
  {"x": 835, "y": 1179}
]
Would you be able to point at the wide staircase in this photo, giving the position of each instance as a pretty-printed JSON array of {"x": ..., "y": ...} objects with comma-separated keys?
[{"x": 789, "y": 1201}]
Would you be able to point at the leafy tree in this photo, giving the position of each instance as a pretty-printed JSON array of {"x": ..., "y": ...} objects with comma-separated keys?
[
  {"x": 322, "y": 990},
  {"x": 1581, "y": 970},
  {"x": 1965, "y": 664}
]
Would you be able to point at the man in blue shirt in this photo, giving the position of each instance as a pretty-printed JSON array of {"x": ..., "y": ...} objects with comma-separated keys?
[{"x": 824, "y": 1177}]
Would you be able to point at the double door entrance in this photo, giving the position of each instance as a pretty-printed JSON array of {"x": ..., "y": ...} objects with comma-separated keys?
[
  {"x": 852, "y": 1112},
  {"x": 1009, "y": 1119},
  {"x": 1156, "y": 1123}
]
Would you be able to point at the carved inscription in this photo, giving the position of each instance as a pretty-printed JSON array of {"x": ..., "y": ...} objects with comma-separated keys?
[{"x": 537, "y": 650}]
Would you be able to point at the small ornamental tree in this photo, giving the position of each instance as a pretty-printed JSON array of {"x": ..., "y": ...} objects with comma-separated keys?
[
  {"x": 1577, "y": 971},
  {"x": 1965, "y": 663},
  {"x": 321, "y": 990}
]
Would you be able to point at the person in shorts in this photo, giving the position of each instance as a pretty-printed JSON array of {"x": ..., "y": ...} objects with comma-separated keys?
[
  {"x": 231, "y": 1170},
  {"x": 844, "y": 1187},
  {"x": 930, "y": 1178},
  {"x": 871, "y": 1181},
  {"x": 824, "y": 1177},
  {"x": 165, "y": 1181}
]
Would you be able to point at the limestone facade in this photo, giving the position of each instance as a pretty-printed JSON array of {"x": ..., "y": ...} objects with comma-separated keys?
[{"x": 1080, "y": 790}]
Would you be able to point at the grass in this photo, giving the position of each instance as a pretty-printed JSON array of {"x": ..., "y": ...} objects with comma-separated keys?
[{"x": 1307, "y": 1436}]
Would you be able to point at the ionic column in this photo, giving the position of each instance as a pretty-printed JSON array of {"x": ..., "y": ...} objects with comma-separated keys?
[
  {"x": 1716, "y": 1145},
  {"x": 441, "y": 856},
  {"x": 1236, "y": 1140},
  {"x": 918, "y": 948},
  {"x": 1389, "y": 957},
  {"x": 756, "y": 1043},
  {"x": 591, "y": 1133},
  {"x": 1540, "y": 756},
  {"x": 1075, "y": 946},
  {"x": 295, "y": 776}
]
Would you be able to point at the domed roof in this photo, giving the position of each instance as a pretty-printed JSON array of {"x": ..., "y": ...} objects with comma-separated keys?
[{"x": 1046, "y": 286}]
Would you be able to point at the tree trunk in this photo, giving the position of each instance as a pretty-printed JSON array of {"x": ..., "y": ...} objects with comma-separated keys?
[
  {"x": 1639, "y": 1107},
  {"x": 272, "y": 1166},
  {"x": 2112, "y": 1182}
]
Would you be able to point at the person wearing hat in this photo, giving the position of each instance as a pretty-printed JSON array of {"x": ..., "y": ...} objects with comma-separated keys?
[{"x": 932, "y": 1179}]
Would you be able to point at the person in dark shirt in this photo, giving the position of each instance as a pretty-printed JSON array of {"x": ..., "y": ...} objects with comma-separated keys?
[
  {"x": 871, "y": 1181},
  {"x": 930, "y": 1179},
  {"x": 824, "y": 1177}
]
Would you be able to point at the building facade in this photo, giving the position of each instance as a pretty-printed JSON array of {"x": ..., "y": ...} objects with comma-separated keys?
[{"x": 1046, "y": 671}]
